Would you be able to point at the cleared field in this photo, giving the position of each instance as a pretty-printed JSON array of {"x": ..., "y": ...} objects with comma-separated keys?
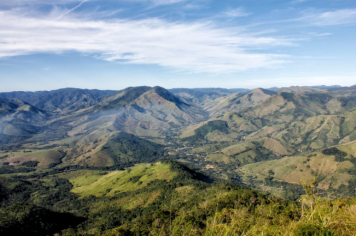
[
  {"x": 44, "y": 157},
  {"x": 121, "y": 181}
]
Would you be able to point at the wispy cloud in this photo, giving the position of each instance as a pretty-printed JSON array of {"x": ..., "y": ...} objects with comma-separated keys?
[
  {"x": 70, "y": 10},
  {"x": 191, "y": 47},
  {"x": 166, "y": 2},
  {"x": 315, "y": 34},
  {"x": 158, "y": 2},
  {"x": 338, "y": 17},
  {"x": 35, "y": 2},
  {"x": 299, "y": 1},
  {"x": 237, "y": 12}
]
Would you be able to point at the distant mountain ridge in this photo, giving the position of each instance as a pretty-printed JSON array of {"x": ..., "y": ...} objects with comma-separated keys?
[
  {"x": 203, "y": 96},
  {"x": 61, "y": 99},
  {"x": 15, "y": 109},
  {"x": 153, "y": 111},
  {"x": 19, "y": 119},
  {"x": 222, "y": 90}
]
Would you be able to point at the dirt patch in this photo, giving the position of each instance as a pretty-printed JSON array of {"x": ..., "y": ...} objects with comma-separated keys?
[
  {"x": 324, "y": 186},
  {"x": 210, "y": 167}
]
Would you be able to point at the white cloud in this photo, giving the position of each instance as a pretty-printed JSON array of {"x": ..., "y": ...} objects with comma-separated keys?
[
  {"x": 238, "y": 12},
  {"x": 166, "y": 2},
  {"x": 157, "y": 2},
  {"x": 191, "y": 47},
  {"x": 299, "y": 1},
  {"x": 35, "y": 2},
  {"x": 338, "y": 17}
]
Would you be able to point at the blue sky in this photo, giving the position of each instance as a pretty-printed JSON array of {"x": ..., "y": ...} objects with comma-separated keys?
[{"x": 113, "y": 44}]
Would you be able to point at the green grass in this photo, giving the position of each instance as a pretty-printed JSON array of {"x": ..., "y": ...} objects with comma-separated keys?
[
  {"x": 120, "y": 181},
  {"x": 332, "y": 173}
]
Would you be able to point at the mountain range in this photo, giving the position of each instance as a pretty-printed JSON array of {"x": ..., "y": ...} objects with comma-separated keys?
[
  {"x": 205, "y": 128},
  {"x": 147, "y": 160}
]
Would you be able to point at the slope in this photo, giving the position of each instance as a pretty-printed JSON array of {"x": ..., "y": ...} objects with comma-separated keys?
[
  {"x": 164, "y": 197},
  {"x": 19, "y": 120},
  {"x": 143, "y": 111},
  {"x": 280, "y": 109},
  {"x": 293, "y": 89},
  {"x": 284, "y": 124},
  {"x": 334, "y": 168},
  {"x": 237, "y": 101},
  {"x": 15, "y": 109},
  {"x": 199, "y": 98}
]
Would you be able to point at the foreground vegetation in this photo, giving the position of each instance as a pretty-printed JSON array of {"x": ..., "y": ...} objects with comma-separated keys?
[{"x": 165, "y": 198}]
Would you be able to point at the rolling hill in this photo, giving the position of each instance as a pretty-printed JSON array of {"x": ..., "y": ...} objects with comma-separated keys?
[
  {"x": 284, "y": 124},
  {"x": 334, "y": 168},
  {"x": 237, "y": 101},
  {"x": 280, "y": 109}
]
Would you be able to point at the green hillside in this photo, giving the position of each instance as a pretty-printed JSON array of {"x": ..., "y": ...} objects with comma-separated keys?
[
  {"x": 119, "y": 148},
  {"x": 165, "y": 198},
  {"x": 277, "y": 130},
  {"x": 333, "y": 167}
]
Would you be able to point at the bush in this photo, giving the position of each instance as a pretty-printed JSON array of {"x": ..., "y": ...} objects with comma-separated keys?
[
  {"x": 339, "y": 155},
  {"x": 30, "y": 163}
]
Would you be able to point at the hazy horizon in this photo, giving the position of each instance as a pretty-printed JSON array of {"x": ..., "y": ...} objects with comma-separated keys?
[{"x": 170, "y": 88}]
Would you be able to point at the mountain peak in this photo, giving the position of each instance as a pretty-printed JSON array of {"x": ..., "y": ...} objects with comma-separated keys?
[{"x": 164, "y": 93}]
